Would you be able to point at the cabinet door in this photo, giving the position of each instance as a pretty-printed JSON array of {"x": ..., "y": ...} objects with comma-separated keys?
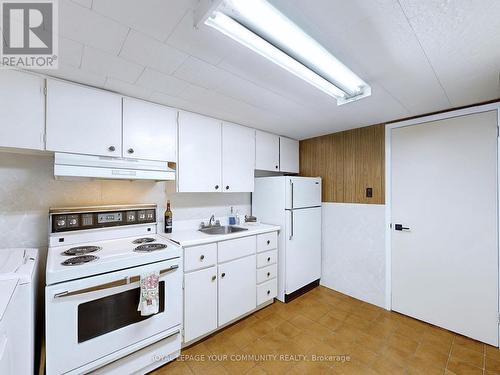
[
  {"x": 267, "y": 151},
  {"x": 200, "y": 154},
  {"x": 237, "y": 288},
  {"x": 149, "y": 131},
  {"x": 22, "y": 110},
  {"x": 289, "y": 155},
  {"x": 238, "y": 158},
  {"x": 83, "y": 120},
  {"x": 200, "y": 303}
]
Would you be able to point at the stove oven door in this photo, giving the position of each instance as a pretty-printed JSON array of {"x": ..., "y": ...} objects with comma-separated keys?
[{"x": 95, "y": 317}]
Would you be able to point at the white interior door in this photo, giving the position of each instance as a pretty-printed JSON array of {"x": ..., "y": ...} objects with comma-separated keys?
[
  {"x": 444, "y": 189},
  {"x": 303, "y": 248}
]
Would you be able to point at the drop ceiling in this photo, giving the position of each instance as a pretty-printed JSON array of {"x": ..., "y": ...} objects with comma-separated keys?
[{"x": 418, "y": 56}]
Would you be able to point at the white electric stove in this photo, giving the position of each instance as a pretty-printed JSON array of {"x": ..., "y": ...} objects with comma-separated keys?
[{"x": 95, "y": 260}]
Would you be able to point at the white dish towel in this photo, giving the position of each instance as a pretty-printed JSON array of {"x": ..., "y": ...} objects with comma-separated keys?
[{"x": 149, "y": 302}]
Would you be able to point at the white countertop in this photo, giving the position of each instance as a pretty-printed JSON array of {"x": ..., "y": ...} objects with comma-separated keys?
[{"x": 192, "y": 237}]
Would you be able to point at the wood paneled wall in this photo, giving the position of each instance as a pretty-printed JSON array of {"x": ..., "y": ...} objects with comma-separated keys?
[{"x": 349, "y": 162}]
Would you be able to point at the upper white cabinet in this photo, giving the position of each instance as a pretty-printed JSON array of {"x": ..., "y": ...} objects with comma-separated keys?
[
  {"x": 22, "y": 110},
  {"x": 149, "y": 131},
  {"x": 289, "y": 155},
  {"x": 200, "y": 154},
  {"x": 267, "y": 151},
  {"x": 238, "y": 158},
  {"x": 83, "y": 120}
]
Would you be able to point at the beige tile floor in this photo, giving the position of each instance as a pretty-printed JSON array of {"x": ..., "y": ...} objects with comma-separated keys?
[{"x": 347, "y": 336}]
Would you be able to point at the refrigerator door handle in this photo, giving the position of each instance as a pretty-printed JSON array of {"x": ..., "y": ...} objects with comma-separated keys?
[
  {"x": 291, "y": 225},
  {"x": 291, "y": 183}
]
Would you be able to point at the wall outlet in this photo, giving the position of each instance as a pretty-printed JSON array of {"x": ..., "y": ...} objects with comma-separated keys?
[{"x": 369, "y": 192}]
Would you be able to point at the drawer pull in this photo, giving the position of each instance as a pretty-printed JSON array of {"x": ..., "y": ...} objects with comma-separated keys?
[
  {"x": 214, "y": 277},
  {"x": 268, "y": 274},
  {"x": 268, "y": 259},
  {"x": 268, "y": 292},
  {"x": 111, "y": 148},
  {"x": 268, "y": 242},
  {"x": 223, "y": 274},
  {"x": 202, "y": 257}
]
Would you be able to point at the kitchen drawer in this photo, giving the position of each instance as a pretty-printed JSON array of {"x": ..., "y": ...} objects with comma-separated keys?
[
  {"x": 267, "y": 291},
  {"x": 267, "y": 258},
  {"x": 237, "y": 248},
  {"x": 267, "y": 241},
  {"x": 267, "y": 273},
  {"x": 196, "y": 257}
]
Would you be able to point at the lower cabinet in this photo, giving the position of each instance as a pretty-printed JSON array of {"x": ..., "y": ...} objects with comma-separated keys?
[
  {"x": 200, "y": 302},
  {"x": 237, "y": 294}
]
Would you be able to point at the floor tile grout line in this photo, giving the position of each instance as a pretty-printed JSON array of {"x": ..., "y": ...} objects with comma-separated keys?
[{"x": 449, "y": 354}]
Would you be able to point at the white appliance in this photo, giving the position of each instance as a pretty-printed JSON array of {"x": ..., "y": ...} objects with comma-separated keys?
[
  {"x": 294, "y": 203},
  {"x": 95, "y": 260},
  {"x": 89, "y": 166},
  {"x": 18, "y": 285}
]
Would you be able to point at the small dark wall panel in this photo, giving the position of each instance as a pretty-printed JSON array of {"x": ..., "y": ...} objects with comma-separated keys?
[{"x": 349, "y": 162}]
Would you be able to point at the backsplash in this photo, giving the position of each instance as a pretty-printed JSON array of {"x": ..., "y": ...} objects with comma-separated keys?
[{"x": 28, "y": 189}]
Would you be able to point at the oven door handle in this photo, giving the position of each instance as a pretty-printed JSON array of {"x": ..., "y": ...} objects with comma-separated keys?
[{"x": 112, "y": 284}]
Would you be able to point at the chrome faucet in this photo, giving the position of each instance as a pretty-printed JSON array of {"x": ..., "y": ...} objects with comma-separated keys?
[{"x": 211, "y": 221}]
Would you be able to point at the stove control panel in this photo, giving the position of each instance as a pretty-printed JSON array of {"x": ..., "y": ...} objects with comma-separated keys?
[{"x": 74, "y": 221}]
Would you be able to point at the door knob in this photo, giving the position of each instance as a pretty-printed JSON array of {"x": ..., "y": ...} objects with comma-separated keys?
[
  {"x": 130, "y": 150},
  {"x": 400, "y": 227}
]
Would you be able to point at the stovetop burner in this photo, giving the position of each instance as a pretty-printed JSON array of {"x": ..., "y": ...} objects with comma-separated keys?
[
  {"x": 147, "y": 248},
  {"x": 143, "y": 240},
  {"x": 81, "y": 250},
  {"x": 82, "y": 259}
]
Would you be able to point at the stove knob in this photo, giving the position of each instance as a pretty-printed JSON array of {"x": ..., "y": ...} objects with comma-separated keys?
[
  {"x": 61, "y": 223},
  {"x": 72, "y": 222}
]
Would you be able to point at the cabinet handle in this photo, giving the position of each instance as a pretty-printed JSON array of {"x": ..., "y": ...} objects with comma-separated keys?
[
  {"x": 268, "y": 292},
  {"x": 268, "y": 242},
  {"x": 202, "y": 257},
  {"x": 227, "y": 187},
  {"x": 214, "y": 277},
  {"x": 111, "y": 148},
  {"x": 268, "y": 274},
  {"x": 276, "y": 167},
  {"x": 223, "y": 274},
  {"x": 216, "y": 187},
  {"x": 130, "y": 150},
  {"x": 268, "y": 259}
]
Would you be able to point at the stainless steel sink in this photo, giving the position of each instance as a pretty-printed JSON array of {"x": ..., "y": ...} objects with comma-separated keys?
[{"x": 221, "y": 230}]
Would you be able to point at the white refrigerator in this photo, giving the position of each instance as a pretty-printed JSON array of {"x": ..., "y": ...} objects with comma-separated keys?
[{"x": 293, "y": 203}]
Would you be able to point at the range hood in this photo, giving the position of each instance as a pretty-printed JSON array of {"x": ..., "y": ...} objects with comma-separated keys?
[{"x": 89, "y": 166}]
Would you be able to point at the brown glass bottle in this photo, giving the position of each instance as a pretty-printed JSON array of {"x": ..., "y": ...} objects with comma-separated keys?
[{"x": 168, "y": 219}]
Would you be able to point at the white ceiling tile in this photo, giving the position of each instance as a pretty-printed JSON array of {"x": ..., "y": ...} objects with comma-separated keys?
[
  {"x": 87, "y": 27},
  {"x": 85, "y": 3},
  {"x": 156, "y": 18},
  {"x": 70, "y": 52},
  {"x": 461, "y": 40},
  {"x": 110, "y": 65},
  {"x": 163, "y": 83},
  {"x": 201, "y": 73},
  {"x": 149, "y": 52},
  {"x": 128, "y": 89},
  {"x": 73, "y": 74},
  {"x": 205, "y": 42}
]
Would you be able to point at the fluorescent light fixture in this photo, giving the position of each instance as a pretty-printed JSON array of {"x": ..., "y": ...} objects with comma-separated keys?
[{"x": 259, "y": 26}]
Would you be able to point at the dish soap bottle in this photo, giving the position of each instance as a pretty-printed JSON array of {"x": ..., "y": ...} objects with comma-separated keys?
[
  {"x": 232, "y": 218},
  {"x": 168, "y": 219}
]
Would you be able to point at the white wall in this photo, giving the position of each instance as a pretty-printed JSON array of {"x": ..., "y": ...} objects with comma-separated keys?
[
  {"x": 353, "y": 250},
  {"x": 28, "y": 189}
]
